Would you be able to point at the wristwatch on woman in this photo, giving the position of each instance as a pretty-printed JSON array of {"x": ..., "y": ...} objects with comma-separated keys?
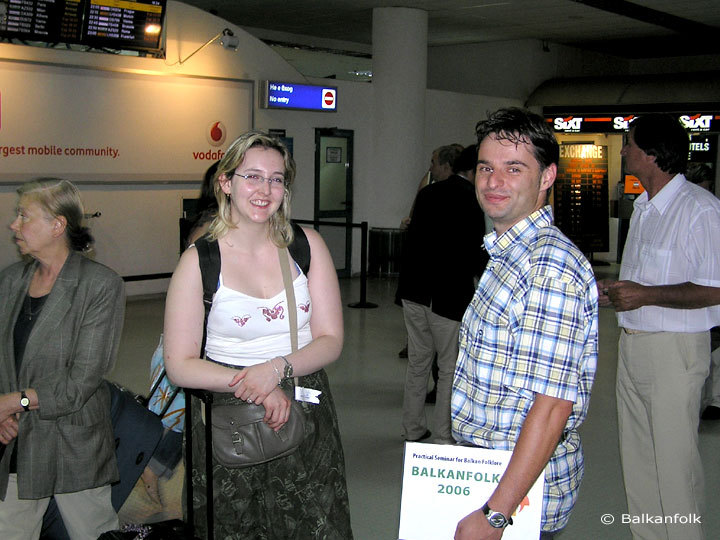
[
  {"x": 24, "y": 401},
  {"x": 496, "y": 519},
  {"x": 288, "y": 369}
]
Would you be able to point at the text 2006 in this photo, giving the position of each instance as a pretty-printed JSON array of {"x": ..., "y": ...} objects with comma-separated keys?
[{"x": 447, "y": 489}]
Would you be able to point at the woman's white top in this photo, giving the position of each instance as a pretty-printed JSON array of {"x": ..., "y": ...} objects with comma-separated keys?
[{"x": 244, "y": 330}]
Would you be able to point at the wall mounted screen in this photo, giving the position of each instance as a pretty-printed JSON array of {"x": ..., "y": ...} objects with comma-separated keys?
[{"x": 113, "y": 24}]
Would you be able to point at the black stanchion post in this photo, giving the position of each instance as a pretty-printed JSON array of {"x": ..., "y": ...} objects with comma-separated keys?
[
  {"x": 188, "y": 461},
  {"x": 363, "y": 303},
  {"x": 209, "y": 469}
]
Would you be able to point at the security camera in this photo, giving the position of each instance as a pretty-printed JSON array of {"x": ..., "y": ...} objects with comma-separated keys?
[{"x": 229, "y": 40}]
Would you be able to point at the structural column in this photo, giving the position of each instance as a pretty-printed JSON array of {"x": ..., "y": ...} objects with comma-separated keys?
[{"x": 399, "y": 83}]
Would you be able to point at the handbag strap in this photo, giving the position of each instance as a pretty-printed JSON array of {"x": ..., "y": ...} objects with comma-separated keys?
[{"x": 290, "y": 295}]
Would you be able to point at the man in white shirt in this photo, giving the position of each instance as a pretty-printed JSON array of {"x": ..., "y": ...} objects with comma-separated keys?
[{"x": 667, "y": 301}]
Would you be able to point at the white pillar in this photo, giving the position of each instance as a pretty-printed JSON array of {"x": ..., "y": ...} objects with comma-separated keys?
[{"x": 399, "y": 83}]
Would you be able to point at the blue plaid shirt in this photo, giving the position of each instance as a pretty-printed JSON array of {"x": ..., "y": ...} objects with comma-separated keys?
[{"x": 530, "y": 328}]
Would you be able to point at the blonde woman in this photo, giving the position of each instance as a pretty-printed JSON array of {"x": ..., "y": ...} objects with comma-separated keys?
[{"x": 302, "y": 495}]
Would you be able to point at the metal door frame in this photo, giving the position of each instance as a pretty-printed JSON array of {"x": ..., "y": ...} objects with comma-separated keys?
[{"x": 348, "y": 212}]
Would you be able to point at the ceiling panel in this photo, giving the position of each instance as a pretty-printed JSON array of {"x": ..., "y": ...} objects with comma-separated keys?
[{"x": 612, "y": 26}]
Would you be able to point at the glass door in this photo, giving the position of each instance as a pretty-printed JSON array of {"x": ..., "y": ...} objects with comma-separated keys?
[{"x": 333, "y": 192}]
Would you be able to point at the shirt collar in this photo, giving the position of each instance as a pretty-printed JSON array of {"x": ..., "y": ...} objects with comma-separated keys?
[
  {"x": 526, "y": 227},
  {"x": 662, "y": 198}
]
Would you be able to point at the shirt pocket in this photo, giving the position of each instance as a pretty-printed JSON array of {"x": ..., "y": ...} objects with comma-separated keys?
[
  {"x": 494, "y": 342},
  {"x": 655, "y": 265}
]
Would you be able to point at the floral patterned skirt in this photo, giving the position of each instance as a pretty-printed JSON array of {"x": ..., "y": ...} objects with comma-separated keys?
[{"x": 301, "y": 496}]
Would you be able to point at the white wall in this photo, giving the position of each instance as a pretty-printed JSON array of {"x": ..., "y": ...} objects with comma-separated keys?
[
  {"x": 512, "y": 69},
  {"x": 137, "y": 232}
]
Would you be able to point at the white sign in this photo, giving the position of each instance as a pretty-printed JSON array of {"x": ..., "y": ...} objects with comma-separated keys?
[
  {"x": 95, "y": 125},
  {"x": 444, "y": 483},
  {"x": 328, "y": 98}
]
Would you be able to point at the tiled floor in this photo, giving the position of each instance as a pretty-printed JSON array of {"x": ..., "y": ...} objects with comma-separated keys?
[{"x": 367, "y": 384}]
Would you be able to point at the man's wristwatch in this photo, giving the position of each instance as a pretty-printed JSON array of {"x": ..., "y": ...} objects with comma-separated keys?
[
  {"x": 496, "y": 519},
  {"x": 24, "y": 401}
]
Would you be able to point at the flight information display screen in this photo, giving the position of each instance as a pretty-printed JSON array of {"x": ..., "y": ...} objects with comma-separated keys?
[{"x": 115, "y": 24}]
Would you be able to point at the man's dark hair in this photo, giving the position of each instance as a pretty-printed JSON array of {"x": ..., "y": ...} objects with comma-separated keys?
[
  {"x": 522, "y": 126},
  {"x": 467, "y": 160},
  {"x": 448, "y": 154},
  {"x": 662, "y": 136}
]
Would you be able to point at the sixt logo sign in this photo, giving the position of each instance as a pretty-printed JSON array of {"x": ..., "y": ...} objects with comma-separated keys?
[
  {"x": 696, "y": 122},
  {"x": 622, "y": 122},
  {"x": 569, "y": 124}
]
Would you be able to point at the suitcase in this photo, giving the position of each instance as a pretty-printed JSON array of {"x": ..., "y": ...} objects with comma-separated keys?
[{"x": 173, "y": 529}]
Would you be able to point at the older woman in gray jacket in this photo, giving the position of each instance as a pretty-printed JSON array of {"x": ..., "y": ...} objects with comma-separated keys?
[{"x": 61, "y": 318}]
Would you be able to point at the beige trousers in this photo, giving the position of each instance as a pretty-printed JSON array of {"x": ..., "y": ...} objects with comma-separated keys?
[
  {"x": 428, "y": 333},
  {"x": 86, "y": 514},
  {"x": 660, "y": 377}
]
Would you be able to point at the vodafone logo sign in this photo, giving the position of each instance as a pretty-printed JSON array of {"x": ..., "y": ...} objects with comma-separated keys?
[
  {"x": 216, "y": 133},
  {"x": 328, "y": 98}
]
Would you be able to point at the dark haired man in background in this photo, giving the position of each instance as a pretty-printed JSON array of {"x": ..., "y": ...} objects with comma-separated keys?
[
  {"x": 666, "y": 301},
  {"x": 443, "y": 254}
]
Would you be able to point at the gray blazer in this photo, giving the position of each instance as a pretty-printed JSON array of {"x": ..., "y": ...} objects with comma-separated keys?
[{"x": 67, "y": 444}]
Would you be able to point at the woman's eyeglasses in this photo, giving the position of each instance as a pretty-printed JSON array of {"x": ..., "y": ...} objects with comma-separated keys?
[{"x": 257, "y": 180}]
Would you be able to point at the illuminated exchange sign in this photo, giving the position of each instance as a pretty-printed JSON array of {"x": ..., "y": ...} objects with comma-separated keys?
[{"x": 284, "y": 95}]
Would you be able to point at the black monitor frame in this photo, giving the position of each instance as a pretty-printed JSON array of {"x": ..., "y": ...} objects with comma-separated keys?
[{"x": 100, "y": 24}]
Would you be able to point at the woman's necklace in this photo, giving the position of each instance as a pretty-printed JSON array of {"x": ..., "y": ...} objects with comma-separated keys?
[{"x": 33, "y": 306}]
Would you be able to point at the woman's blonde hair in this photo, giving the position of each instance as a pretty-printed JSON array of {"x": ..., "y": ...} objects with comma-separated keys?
[
  {"x": 58, "y": 197},
  {"x": 280, "y": 233}
]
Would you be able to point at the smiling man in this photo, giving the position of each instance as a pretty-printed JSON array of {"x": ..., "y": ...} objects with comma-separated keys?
[{"x": 528, "y": 340}]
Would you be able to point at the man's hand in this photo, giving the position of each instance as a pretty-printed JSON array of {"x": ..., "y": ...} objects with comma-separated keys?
[
  {"x": 475, "y": 526},
  {"x": 627, "y": 295},
  {"x": 603, "y": 286}
]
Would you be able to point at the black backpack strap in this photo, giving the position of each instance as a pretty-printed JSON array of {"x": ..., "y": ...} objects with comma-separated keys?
[
  {"x": 300, "y": 248},
  {"x": 209, "y": 261}
]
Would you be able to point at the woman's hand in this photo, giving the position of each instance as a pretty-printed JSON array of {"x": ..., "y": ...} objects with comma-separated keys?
[
  {"x": 255, "y": 383},
  {"x": 9, "y": 403},
  {"x": 8, "y": 429},
  {"x": 277, "y": 409}
]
